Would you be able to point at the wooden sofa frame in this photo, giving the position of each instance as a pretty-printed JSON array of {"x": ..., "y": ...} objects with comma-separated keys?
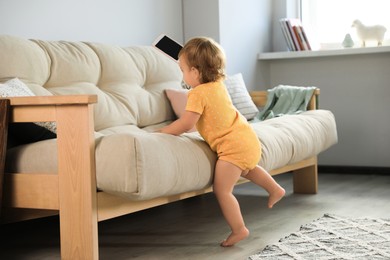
[{"x": 72, "y": 191}]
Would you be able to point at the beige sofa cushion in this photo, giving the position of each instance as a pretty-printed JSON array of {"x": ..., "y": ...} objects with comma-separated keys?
[
  {"x": 291, "y": 138},
  {"x": 132, "y": 163}
]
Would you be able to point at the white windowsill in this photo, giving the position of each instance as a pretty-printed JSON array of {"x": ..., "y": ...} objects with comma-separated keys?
[{"x": 321, "y": 53}]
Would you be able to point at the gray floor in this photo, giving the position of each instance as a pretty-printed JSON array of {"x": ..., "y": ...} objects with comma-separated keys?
[{"x": 193, "y": 228}]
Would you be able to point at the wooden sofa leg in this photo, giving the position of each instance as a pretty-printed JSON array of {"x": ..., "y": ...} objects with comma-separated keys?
[
  {"x": 306, "y": 180},
  {"x": 77, "y": 183},
  {"x": 4, "y": 114}
]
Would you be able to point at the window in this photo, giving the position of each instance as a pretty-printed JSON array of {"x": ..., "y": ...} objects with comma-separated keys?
[{"x": 328, "y": 21}]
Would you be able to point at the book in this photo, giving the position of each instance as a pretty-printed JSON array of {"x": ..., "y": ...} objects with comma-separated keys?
[
  {"x": 286, "y": 34},
  {"x": 294, "y": 34},
  {"x": 306, "y": 39},
  {"x": 290, "y": 34}
]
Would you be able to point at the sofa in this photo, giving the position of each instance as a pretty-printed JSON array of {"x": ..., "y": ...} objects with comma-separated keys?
[{"x": 82, "y": 140}]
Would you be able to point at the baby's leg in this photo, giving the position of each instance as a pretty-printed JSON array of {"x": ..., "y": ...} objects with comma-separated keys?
[
  {"x": 263, "y": 179},
  {"x": 226, "y": 176}
]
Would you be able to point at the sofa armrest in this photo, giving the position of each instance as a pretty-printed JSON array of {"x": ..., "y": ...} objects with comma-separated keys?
[
  {"x": 260, "y": 99},
  {"x": 42, "y": 108},
  {"x": 75, "y": 189}
]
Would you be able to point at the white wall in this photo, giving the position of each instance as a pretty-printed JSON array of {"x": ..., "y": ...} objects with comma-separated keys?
[
  {"x": 122, "y": 22},
  {"x": 201, "y": 18},
  {"x": 244, "y": 30},
  {"x": 241, "y": 27}
]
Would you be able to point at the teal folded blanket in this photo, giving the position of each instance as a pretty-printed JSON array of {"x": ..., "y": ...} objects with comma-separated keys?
[{"x": 282, "y": 100}]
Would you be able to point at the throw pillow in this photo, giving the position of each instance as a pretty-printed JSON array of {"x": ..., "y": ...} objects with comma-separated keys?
[
  {"x": 178, "y": 100},
  {"x": 240, "y": 97},
  {"x": 16, "y": 88}
]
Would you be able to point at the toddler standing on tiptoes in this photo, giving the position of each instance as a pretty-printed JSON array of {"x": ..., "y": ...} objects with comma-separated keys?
[{"x": 228, "y": 133}]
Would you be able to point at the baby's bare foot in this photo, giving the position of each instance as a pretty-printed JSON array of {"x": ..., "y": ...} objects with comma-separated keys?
[
  {"x": 234, "y": 238},
  {"x": 275, "y": 196}
]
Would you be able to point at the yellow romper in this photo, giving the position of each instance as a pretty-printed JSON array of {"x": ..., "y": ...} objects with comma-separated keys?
[{"x": 225, "y": 130}]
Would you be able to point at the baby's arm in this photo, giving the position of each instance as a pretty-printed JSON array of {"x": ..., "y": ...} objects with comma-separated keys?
[{"x": 186, "y": 122}]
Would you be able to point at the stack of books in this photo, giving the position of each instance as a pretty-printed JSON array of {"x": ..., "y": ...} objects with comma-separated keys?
[{"x": 294, "y": 34}]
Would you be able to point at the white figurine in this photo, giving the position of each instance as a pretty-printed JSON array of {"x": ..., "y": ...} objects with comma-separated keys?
[{"x": 365, "y": 33}]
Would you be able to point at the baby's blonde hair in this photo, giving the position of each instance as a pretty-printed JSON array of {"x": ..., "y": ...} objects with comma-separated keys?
[{"x": 207, "y": 56}]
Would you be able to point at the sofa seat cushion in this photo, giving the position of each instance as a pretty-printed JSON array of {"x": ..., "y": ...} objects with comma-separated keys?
[
  {"x": 140, "y": 164},
  {"x": 291, "y": 138},
  {"x": 132, "y": 162},
  {"x": 156, "y": 164}
]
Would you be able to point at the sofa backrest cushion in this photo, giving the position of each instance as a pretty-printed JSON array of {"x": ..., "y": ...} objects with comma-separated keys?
[{"x": 129, "y": 82}]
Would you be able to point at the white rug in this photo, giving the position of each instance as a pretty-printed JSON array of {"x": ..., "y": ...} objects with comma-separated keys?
[{"x": 333, "y": 237}]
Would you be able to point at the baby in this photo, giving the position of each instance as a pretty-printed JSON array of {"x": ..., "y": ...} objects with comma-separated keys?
[{"x": 227, "y": 132}]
